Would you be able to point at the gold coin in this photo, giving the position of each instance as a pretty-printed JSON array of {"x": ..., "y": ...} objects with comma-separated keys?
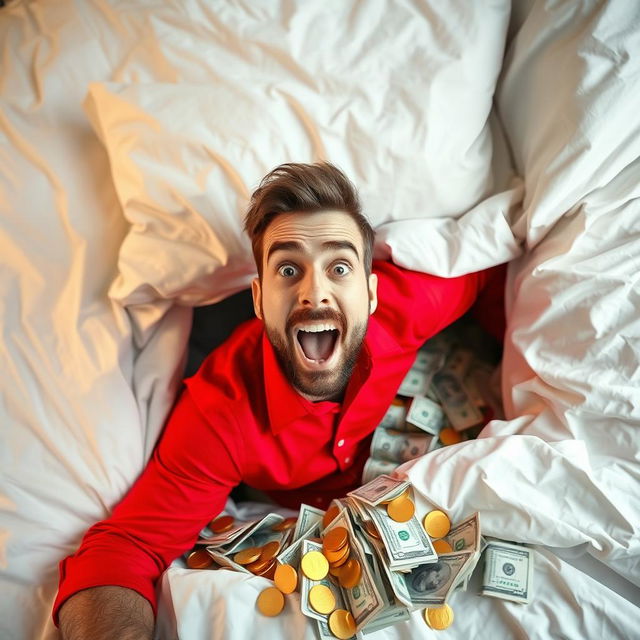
[
  {"x": 401, "y": 509},
  {"x": 270, "y": 602},
  {"x": 270, "y": 550},
  {"x": 314, "y": 565},
  {"x": 247, "y": 556},
  {"x": 270, "y": 570},
  {"x": 342, "y": 624},
  {"x": 322, "y": 599},
  {"x": 436, "y": 524},
  {"x": 259, "y": 565},
  {"x": 221, "y": 524},
  {"x": 287, "y": 523},
  {"x": 404, "y": 494},
  {"x": 286, "y": 578},
  {"x": 329, "y": 516},
  {"x": 371, "y": 529},
  {"x": 199, "y": 559},
  {"x": 442, "y": 546},
  {"x": 449, "y": 435},
  {"x": 335, "y": 539},
  {"x": 335, "y": 557},
  {"x": 439, "y": 617},
  {"x": 350, "y": 574}
]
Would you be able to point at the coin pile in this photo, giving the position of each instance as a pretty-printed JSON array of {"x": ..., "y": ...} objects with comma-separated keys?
[
  {"x": 261, "y": 561},
  {"x": 341, "y": 564}
]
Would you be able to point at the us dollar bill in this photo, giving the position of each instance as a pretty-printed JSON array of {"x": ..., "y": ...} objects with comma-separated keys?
[
  {"x": 426, "y": 414},
  {"x": 257, "y": 535},
  {"x": 293, "y": 553},
  {"x": 307, "y": 518},
  {"x": 415, "y": 383},
  {"x": 399, "y": 446},
  {"x": 364, "y": 600},
  {"x": 508, "y": 571},
  {"x": 395, "y": 416},
  {"x": 465, "y": 536},
  {"x": 460, "y": 410},
  {"x": 431, "y": 584},
  {"x": 374, "y": 468},
  {"x": 380, "y": 489},
  {"x": 406, "y": 543}
]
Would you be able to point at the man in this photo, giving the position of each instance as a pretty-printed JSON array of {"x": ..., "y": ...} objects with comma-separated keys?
[{"x": 287, "y": 405}]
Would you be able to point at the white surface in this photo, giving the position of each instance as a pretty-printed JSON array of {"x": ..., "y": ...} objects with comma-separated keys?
[{"x": 86, "y": 383}]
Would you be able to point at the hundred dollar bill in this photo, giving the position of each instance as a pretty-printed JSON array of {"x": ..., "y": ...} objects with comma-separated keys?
[
  {"x": 374, "y": 468},
  {"x": 364, "y": 601},
  {"x": 465, "y": 536},
  {"x": 395, "y": 415},
  {"x": 431, "y": 584},
  {"x": 306, "y": 584},
  {"x": 406, "y": 543},
  {"x": 508, "y": 571},
  {"x": 256, "y": 536},
  {"x": 292, "y": 554},
  {"x": 426, "y": 414},
  {"x": 308, "y": 517},
  {"x": 455, "y": 400},
  {"x": 380, "y": 489},
  {"x": 399, "y": 447},
  {"x": 415, "y": 383}
]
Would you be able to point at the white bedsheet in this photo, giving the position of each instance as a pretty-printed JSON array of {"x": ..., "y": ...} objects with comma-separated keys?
[{"x": 83, "y": 397}]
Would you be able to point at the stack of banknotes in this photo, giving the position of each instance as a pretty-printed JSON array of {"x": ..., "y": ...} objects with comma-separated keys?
[
  {"x": 450, "y": 393},
  {"x": 390, "y": 565}
]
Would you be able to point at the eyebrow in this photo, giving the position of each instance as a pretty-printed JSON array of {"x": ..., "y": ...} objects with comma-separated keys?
[{"x": 292, "y": 245}]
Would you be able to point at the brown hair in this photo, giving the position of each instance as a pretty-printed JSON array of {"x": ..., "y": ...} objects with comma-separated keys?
[{"x": 307, "y": 188}]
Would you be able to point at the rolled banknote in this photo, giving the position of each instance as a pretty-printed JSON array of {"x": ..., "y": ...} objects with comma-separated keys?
[
  {"x": 374, "y": 468},
  {"x": 400, "y": 447},
  {"x": 426, "y": 414},
  {"x": 508, "y": 571}
]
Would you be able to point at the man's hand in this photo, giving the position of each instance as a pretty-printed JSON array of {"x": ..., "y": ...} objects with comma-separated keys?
[{"x": 105, "y": 613}]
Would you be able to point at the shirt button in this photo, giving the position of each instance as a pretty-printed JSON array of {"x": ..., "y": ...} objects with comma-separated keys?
[
  {"x": 340, "y": 443},
  {"x": 347, "y": 460}
]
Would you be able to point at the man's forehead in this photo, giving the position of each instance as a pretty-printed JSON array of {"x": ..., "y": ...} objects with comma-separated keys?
[{"x": 330, "y": 230}]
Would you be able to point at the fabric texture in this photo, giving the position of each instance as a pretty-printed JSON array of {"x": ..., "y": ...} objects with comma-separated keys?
[{"x": 240, "y": 422}]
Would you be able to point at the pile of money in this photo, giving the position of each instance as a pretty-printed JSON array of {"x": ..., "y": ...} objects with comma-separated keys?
[
  {"x": 365, "y": 563},
  {"x": 445, "y": 398}
]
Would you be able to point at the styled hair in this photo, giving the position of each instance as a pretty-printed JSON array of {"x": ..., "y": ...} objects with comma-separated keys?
[{"x": 306, "y": 188}]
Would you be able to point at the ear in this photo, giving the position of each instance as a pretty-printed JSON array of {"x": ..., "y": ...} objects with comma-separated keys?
[
  {"x": 256, "y": 292},
  {"x": 373, "y": 293}
]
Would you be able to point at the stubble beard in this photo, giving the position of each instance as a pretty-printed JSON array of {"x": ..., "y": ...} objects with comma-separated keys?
[{"x": 319, "y": 385}]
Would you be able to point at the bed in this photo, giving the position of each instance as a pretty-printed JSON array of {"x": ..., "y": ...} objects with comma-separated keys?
[{"x": 132, "y": 133}]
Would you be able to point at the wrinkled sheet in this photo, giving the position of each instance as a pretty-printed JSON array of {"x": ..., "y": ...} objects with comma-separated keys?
[{"x": 82, "y": 402}]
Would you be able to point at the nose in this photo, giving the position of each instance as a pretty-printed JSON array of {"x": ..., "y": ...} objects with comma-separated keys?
[{"x": 314, "y": 290}]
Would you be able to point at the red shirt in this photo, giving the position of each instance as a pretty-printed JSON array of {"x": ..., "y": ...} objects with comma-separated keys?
[{"x": 239, "y": 420}]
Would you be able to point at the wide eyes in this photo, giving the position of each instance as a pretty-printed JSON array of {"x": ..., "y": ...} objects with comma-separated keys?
[
  {"x": 287, "y": 271},
  {"x": 339, "y": 269}
]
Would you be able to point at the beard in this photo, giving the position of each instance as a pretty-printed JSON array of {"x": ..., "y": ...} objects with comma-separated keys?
[{"x": 319, "y": 385}]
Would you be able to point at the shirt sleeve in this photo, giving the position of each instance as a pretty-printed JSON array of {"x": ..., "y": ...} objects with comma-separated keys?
[
  {"x": 178, "y": 493},
  {"x": 418, "y": 305}
]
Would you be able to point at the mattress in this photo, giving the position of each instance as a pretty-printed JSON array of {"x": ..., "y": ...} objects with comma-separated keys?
[{"x": 131, "y": 135}]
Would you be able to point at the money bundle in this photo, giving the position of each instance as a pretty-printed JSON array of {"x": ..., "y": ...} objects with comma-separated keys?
[
  {"x": 362, "y": 565},
  {"x": 445, "y": 398}
]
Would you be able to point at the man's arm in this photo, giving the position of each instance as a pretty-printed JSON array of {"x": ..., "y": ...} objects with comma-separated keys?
[
  {"x": 104, "y": 613},
  {"x": 185, "y": 484}
]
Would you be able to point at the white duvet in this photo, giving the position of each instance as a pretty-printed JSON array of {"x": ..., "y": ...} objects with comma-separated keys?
[{"x": 399, "y": 94}]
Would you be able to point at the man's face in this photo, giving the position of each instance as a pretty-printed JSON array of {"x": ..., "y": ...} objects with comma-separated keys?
[{"x": 315, "y": 298}]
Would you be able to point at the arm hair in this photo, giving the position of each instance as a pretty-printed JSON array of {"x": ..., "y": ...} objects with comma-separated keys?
[{"x": 105, "y": 613}]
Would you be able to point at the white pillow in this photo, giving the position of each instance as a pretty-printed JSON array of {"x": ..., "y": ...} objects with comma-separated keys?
[{"x": 407, "y": 122}]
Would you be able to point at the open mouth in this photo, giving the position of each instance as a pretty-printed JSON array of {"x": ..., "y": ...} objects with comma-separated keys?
[{"x": 318, "y": 341}]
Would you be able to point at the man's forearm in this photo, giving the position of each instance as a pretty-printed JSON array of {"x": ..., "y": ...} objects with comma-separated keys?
[{"x": 104, "y": 613}]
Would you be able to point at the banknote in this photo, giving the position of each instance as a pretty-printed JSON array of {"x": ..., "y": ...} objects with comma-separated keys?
[
  {"x": 306, "y": 584},
  {"x": 394, "y": 416},
  {"x": 395, "y": 578},
  {"x": 292, "y": 554},
  {"x": 225, "y": 561},
  {"x": 307, "y": 517},
  {"x": 256, "y": 536},
  {"x": 431, "y": 584},
  {"x": 508, "y": 571},
  {"x": 364, "y": 601},
  {"x": 374, "y": 468},
  {"x": 378, "y": 490},
  {"x": 218, "y": 539},
  {"x": 465, "y": 536},
  {"x": 406, "y": 543},
  {"x": 426, "y": 414},
  {"x": 399, "y": 447},
  {"x": 415, "y": 383},
  {"x": 457, "y": 405}
]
